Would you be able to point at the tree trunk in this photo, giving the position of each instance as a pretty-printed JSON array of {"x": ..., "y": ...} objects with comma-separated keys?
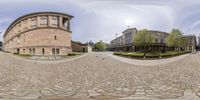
[{"x": 145, "y": 51}]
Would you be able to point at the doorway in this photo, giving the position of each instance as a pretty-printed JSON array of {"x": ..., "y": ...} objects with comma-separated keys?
[{"x": 83, "y": 49}]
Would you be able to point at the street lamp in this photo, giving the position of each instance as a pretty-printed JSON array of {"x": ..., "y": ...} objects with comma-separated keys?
[{"x": 179, "y": 44}]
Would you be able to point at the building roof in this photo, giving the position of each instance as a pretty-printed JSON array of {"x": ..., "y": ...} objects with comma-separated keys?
[
  {"x": 189, "y": 35},
  {"x": 129, "y": 29},
  {"x": 31, "y": 14},
  {"x": 154, "y": 31},
  {"x": 79, "y": 43}
]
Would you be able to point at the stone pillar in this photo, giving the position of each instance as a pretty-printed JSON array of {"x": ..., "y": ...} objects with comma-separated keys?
[
  {"x": 48, "y": 21},
  {"x": 68, "y": 25},
  {"x": 38, "y": 21},
  {"x": 60, "y": 22}
]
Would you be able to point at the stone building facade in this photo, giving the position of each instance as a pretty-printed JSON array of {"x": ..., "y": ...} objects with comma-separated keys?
[
  {"x": 42, "y": 33},
  {"x": 199, "y": 40},
  {"x": 125, "y": 41},
  {"x": 1, "y": 45},
  {"x": 191, "y": 43},
  {"x": 80, "y": 47}
]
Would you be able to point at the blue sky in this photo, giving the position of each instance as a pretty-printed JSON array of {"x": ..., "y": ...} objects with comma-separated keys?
[{"x": 101, "y": 19}]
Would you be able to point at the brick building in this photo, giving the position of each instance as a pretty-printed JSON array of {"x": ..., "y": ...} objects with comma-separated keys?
[
  {"x": 81, "y": 47},
  {"x": 41, "y": 33}
]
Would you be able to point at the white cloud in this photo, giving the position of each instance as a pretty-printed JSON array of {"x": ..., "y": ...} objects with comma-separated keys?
[{"x": 102, "y": 19}]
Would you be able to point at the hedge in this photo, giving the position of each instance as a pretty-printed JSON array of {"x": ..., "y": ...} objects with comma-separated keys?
[
  {"x": 71, "y": 54},
  {"x": 149, "y": 55}
]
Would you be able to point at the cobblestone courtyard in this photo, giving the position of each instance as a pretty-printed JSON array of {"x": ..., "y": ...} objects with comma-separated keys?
[{"x": 97, "y": 76}]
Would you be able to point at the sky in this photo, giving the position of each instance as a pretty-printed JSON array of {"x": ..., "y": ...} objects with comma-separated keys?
[{"x": 101, "y": 19}]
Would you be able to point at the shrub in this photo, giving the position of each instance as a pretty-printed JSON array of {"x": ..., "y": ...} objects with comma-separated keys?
[
  {"x": 16, "y": 53},
  {"x": 71, "y": 54},
  {"x": 25, "y": 55},
  {"x": 132, "y": 54},
  {"x": 117, "y": 53},
  {"x": 150, "y": 54},
  {"x": 165, "y": 55}
]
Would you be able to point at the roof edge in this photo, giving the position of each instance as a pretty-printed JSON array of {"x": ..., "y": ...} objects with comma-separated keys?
[{"x": 35, "y": 13}]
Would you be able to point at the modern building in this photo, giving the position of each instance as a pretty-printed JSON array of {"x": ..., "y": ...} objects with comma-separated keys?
[
  {"x": 1, "y": 45},
  {"x": 190, "y": 43},
  {"x": 199, "y": 40},
  {"x": 41, "y": 33},
  {"x": 80, "y": 47},
  {"x": 125, "y": 41},
  {"x": 160, "y": 40}
]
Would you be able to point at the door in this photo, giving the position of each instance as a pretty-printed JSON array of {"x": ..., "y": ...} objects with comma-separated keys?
[{"x": 83, "y": 49}]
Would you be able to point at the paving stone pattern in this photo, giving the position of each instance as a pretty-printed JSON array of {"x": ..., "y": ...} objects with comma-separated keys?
[{"x": 99, "y": 77}]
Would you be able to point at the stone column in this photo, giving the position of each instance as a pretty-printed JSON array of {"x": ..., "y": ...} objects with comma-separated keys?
[
  {"x": 60, "y": 22},
  {"x": 48, "y": 21},
  {"x": 38, "y": 21},
  {"x": 68, "y": 25}
]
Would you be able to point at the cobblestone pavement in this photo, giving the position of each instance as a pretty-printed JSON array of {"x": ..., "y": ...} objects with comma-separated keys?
[{"x": 98, "y": 77}]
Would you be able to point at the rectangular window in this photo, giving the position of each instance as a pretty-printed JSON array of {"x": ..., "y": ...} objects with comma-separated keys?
[
  {"x": 54, "y": 21},
  {"x": 33, "y": 51},
  {"x": 57, "y": 51},
  {"x": 30, "y": 51},
  {"x": 44, "y": 20},
  {"x": 156, "y": 40},
  {"x": 33, "y": 22},
  {"x": 24, "y": 51},
  {"x": 162, "y": 41},
  {"x": 53, "y": 51}
]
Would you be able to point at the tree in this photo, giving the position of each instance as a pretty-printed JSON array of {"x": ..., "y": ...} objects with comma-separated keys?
[
  {"x": 100, "y": 46},
  {"x": 91, "y": 43},
  {"x": 143, "y": 39},
  {"x": 176, "y": 39},
  {"x": 173, "y": 36}
]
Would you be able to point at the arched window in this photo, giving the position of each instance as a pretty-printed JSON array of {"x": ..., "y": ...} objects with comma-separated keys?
[
  {"x": 33, "y": 50},
  {"x": 43, "y": 51},
  {"x": 55, "y": 37}
]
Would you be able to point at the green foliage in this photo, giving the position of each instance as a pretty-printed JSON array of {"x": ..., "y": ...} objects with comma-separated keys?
[
  {"x": 130, "y": 54},
  {"x": 143, "y": 38},
  {"x": 150, "y": 54},
  {"x": 91, "y": 43},
  {"x": 25, "y": 55},
  {"x": 173, "y": 38},
  {"x": 100, "y": 46},
  {"x": 16, "y": 53},
  {"x": 72, "y": 54}
]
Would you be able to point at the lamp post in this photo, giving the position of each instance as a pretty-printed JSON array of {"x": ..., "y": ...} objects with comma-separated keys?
[{"x": 179, "y": 44}]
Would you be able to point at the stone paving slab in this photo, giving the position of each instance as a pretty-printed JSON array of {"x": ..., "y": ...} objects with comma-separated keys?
[{"x": 97, "y": 76}]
